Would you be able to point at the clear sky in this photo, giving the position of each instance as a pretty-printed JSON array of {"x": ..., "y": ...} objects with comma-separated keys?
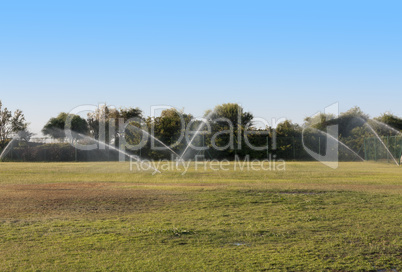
[{"x": 276, "y": 58}]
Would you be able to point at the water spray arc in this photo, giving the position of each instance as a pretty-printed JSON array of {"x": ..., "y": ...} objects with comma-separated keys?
[
  {"x": 8, "y": 148},
  {"x": 341, "y": 143},
  {"x": 200, "y": 127},
  {"x": 156, "y": 139},
  {"x": 378, "y": 137}
]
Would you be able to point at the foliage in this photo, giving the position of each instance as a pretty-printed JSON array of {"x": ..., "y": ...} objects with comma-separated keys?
[
  {"x": 391, "y": 120},
  {"x": 230, "y": 129},
  {"x": 56, "y": 126},
  {"x": 10, "y": 123},
  {"x": 288, "y": 129},
  {"x": 229, "y": 122},
  {"x": 99, "y": 122},
  {"x": 234, "y": 113},
  {"x": 107, "y": 120},
  {"x": 170, "y": 126}
]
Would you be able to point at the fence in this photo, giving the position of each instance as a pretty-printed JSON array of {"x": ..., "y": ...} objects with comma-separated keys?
[
  {"x": 386, "y": 148},
  {"x": 288, "y": 148}
]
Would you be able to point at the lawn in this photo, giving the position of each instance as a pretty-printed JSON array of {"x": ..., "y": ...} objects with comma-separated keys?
[{"x": 104, "y": 217}]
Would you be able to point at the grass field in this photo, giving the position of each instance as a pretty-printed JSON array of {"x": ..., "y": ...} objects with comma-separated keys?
[{"x": 104, "y": 217}]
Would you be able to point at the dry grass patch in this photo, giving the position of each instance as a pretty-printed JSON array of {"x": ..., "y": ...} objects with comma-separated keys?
[{"x": 85, "y": 199}]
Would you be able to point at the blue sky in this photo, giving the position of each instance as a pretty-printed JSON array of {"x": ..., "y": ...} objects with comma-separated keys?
[{"x": 276, "y": 58}]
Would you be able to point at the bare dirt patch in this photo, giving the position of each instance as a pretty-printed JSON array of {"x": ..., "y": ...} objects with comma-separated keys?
[{"x": 69, "y": 199}]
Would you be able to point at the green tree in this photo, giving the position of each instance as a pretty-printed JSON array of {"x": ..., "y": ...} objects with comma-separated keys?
[
  {"x": 288, "y": 140},
  {"x": 390, "y": 120},
  {"x": 99, "y": 122},
  {"x": 129, "y": 113},
  {"x": 170, "y": 126},
  {"x": 106, "y": 120},
  {"x": 229, "y": 117},
  {"x": 346, "y": 121},
  {"x": 233, "y": 112},
  {"x": 288, "y": 129},
  {"x": 351, "y": 128},
  {"x": 56, "y": 126},
  {"x": 11, "y": 123}
]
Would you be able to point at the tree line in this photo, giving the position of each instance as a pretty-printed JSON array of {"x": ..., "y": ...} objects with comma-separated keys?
[{"x": 230, "y": 131}]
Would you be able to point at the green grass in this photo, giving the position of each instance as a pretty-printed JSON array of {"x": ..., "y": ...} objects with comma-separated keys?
[{"x": 102, "y": 217}]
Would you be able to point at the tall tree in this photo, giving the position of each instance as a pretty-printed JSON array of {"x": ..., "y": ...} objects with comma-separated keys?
[
  {"x": 170, "y": 125},
  {"x": 233, "y": 112},
  {"x": 228, "y": 122},
  {"x": 390, "y": 120},
  {"x": 104, "y": 122},
  {"x": 56, "y": 125},
  {"x": 11, "y": 123}
]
